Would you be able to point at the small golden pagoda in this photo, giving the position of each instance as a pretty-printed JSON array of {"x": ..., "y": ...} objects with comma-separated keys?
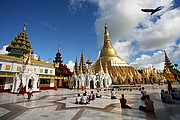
[{"x": 119, "y": 70}]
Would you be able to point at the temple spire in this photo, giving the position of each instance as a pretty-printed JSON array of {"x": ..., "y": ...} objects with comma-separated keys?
[
  {"x": 58, "y": 48},
  {"x": 80, "y": 69},
  {"x": 82, "y": 62},
  {"x": 167, "y": 60},
  {"x": 107, "y": 49},
  {"x": 39, "y": 59},
  {"x": 76, "y": 66},
  {"x": 28, "y": 61},
  {"x": 106, "y": 33},
  {"x": 24, "y": 29}
]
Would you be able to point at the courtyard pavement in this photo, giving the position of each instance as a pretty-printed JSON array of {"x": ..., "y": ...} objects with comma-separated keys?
[{"x": 60, "y": 105}]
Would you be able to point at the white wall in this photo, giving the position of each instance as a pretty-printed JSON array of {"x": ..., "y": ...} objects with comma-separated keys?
[{"x": 14, "y": 65}]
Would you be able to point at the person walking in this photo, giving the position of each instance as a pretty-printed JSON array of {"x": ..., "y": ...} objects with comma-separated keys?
[{"x": 30, "y": 92}]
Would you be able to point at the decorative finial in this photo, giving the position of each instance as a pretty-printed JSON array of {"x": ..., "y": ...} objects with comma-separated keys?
[
  {"x": 24, "y": 29},
  {"x": 58, "y": 48},
  {"x": 105, "y": 26},
  {"x": 39, "y": 59}
]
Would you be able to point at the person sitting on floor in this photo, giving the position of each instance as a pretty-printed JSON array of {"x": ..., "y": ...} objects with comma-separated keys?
[
  {"x": 98, "y": 95},
  {"x": 113, "y": 94},
  {"x": 149, "y": 105},
  {"x": 84, "y": 99},
  {"x": 78, "y": 99},
  {"x": 143, "y": 93},
  {"x": 123, "y": 102},
  {"x": 91, "y": 96},
  {"x": 162, "y": 95},
  {"x": 167, "y": 98},
  {"x": 175, "y": 95}
]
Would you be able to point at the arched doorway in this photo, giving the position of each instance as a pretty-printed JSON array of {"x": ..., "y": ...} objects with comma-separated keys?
[
  {"x": 91, "y": 84},
  {"x": 129, "y": 81},
  {"x": 136, "y": 80},
  {"x": 30, "y": 83},
  {"x": 77, "y": 84},
  {"x": 98, "y": 84},
  {"x": 103, "y": 82}
]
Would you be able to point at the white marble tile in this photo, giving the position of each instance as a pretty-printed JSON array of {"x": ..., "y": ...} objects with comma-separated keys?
[{"x": 3, "y": 111}]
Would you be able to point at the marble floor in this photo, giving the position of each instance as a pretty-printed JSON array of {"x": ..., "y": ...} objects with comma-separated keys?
[{"x": 59, "y": 105}]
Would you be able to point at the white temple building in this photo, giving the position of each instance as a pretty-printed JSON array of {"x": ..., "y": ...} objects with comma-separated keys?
[{"x": 27, "y": 77}]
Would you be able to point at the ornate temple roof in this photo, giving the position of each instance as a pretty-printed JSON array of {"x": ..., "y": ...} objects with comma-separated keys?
[
  {"x": 58, "y": 58},
  {"x": 20, "y": 44},
  {"x": 21, "y": 48},
  {"x": 60, "y": 69}
]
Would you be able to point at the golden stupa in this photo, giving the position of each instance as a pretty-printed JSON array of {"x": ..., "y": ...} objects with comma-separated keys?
[{"x": 119, "y": 70}]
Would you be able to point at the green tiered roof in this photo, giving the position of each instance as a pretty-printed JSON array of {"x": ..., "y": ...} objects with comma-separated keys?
[{"x": 20, "y": 45}]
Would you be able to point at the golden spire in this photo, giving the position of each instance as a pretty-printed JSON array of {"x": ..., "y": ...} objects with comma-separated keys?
[
  {"x": 39, "y": 59},
  {"x": 80, "y": 68},
  {"x": 24, "y": 29},
  {"x": 58, "y": 48},
  {"x": 82, "y": 62},
  {"x": 107, "y": 49},
  {"x": 28, "y": 61},
  {"x": 76, "y": 66},
  {"x": 74, "y": 71}
]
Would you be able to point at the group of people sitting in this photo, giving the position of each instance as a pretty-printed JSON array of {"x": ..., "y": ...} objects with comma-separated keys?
[
  {"x": 148, "y": 102},
  {"x": 167, "y": 97},
  {"x": 85, "y": 99}
]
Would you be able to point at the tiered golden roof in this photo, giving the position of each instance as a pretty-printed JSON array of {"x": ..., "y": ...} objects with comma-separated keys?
[{"x": 20, "y": 43}]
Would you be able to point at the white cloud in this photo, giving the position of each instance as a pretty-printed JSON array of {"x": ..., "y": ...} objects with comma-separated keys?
[
  {"x": 122, "y": 47},
  {"x": 3, "y": 50},
  {"x": 36, "y": 56},
  {"x": 50, "y": 26},
  {"x": 156, "y": 60},
  {"x": 70, "y": 65},
  {"x": 158, "y": 32}
]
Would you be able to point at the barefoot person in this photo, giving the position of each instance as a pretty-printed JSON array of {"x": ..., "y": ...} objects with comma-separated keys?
[
  {"x": 149, "y": 105},
  {"x": 123, "y": 102}
]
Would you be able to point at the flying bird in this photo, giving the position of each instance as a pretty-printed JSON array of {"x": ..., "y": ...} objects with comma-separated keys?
[{"x": 152, "y": 10}]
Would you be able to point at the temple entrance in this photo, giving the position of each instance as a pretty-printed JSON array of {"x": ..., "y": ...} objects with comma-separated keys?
[
  {"x": 129, "y": 81},
  {"x": 98, "y": 84},
  {"x": 136, "y": 80},
  {"x": 91, "y": 84},
  {"x": 77, "y": 84},
  {"x": 153, "y": 80},
  {"x": 30, "y": 83},
  {"x": 104, "y": 84},
  {"x": 145, "y": 80},
  {"x": 57, "y": 83}
]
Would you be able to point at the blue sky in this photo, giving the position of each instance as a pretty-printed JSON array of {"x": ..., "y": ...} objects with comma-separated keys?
[{"x": 79, "y": 24}]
